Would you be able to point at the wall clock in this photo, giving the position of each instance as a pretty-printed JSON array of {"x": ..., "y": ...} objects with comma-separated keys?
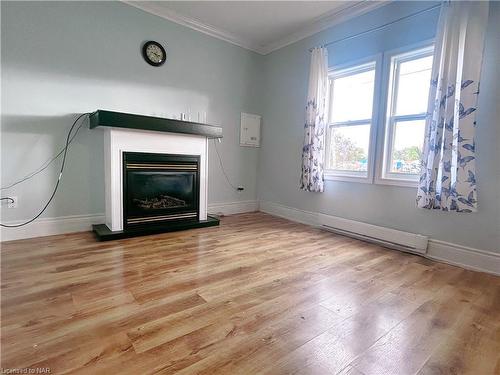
[{"x": 154, "y": 53}]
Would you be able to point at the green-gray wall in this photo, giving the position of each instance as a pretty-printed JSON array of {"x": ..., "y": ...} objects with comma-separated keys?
[
  {"x": 286, "y": 74},
  {"x": 63, "y": 58}
]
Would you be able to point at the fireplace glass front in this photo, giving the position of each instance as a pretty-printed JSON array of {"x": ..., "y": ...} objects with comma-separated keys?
[{"x": 160, "y": 188}]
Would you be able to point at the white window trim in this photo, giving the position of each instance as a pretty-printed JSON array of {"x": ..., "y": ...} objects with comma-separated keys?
[
  {"x": 386, "y": 101},
  {"x": 342, "y": 70}
]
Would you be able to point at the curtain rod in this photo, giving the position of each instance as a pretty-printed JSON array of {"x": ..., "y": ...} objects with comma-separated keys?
[{"x": 378, "y": 27}]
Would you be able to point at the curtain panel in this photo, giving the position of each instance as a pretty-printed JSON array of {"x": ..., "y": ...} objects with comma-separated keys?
[
  {"x": 448, "y": 174},
  {"x": 312, "y": 178}
]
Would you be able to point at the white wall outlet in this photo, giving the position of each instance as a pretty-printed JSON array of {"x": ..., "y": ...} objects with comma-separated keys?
[{"x": 12, "y": 203}]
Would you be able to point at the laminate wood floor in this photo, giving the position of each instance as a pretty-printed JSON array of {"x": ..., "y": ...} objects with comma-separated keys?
[{"x": 257, "y": 295}]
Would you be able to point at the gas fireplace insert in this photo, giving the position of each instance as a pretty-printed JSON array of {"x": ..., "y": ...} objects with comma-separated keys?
[{"x": 159, "y": 188}]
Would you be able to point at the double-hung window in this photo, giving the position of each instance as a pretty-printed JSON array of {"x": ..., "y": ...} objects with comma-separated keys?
[
  {"x": 407, "y": 98},
  {"x": 365, "y": 144},
  {"x": 348, "y": 135}
]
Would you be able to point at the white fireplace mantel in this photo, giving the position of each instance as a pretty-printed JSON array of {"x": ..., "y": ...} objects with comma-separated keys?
[{"x": 119, "y": 140}]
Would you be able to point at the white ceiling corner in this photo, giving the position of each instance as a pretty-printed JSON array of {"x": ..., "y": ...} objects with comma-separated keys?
[
  {"x": 324, "y": 22},
  {"x": 298, "y": 21},
  {"x": 156, "y": 8}
]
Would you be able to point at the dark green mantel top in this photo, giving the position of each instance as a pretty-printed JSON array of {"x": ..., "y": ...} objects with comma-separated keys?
[{"x": 159, "y": 124}]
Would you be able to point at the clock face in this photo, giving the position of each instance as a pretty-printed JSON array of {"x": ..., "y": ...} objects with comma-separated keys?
[{"x": 154, "y": 53}]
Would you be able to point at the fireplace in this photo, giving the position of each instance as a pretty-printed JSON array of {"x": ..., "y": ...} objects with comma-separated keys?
[
  {"x": 160, "y": 188},
  {"x": 155, "y": 174}
]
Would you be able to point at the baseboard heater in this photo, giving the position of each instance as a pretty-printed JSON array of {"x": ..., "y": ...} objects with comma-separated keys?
[{"x": 392, "y": 238}]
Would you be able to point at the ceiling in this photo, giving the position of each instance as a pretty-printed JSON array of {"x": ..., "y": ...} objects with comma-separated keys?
[{"x": 261, "y": 26}]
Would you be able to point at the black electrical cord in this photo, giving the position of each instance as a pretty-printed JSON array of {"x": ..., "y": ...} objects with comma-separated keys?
[
  {"x": 44, "y": 165},
  {"x": 222, "y": 168},
  {"x": 61, "y": 170},
  {"x": 7, "y": 199}
]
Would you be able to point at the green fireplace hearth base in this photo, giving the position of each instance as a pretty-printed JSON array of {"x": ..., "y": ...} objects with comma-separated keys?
[{"x": 103, "y": 233}]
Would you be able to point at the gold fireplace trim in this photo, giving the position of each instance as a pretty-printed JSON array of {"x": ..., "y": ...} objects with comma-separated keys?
[
  {"x": 189, "y": 167},
  {"x": 160, "y": 218}
]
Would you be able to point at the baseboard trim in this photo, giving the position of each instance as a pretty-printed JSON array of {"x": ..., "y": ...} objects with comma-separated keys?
[
  {"x": 290, "y": 213},
  {"x": 446, "y": 252},
  {"x": 51, "y": 226},
  {"x": 451, "y": 253},
  {"x": 463, "y": 256},
  {"x": 82, "y": 223},
  {"x": 231, "y": 208}
]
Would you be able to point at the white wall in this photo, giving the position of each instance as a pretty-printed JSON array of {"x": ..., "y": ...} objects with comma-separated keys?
[
  {"x": 286, "y": 75},
  {"x": 64, "y": 58}
]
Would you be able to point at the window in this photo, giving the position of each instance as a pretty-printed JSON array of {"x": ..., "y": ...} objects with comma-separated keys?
[
  {"x": 350, "y": 122},
  {"x": 407, "y": 97},
  {"x": 362, "y": 146}
]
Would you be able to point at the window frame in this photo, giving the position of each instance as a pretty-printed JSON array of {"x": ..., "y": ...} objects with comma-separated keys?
[
  {"x": 388, "y": 119},
  {"x": 371, "y": 62}
]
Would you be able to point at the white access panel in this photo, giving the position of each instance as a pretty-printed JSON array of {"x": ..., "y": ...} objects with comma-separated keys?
[{"x": 250, "y": 130}]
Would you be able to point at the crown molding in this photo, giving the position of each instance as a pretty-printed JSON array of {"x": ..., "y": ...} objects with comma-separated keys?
[
  {"x": 316, "y": 25},
  {"x": 194, "y": 24},
  {"x": 326, "y": 21}
]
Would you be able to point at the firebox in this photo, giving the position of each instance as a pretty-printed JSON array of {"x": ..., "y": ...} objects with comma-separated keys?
[{"x": 160, "y": 188}]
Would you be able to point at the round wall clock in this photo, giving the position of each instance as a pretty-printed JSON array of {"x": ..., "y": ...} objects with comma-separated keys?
[{"x": 154, "y": 53}]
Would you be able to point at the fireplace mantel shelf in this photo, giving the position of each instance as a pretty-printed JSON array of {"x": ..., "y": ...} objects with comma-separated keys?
[{"x": 159, "y": 124}]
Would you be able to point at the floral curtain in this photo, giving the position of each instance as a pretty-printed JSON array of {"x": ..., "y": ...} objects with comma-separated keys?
[
  {"x": 314, "y": 129},
  {"x": 448, "y": 174}
]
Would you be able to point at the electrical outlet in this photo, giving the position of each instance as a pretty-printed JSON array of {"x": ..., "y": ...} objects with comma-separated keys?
[{"x": 13, "y": 203}]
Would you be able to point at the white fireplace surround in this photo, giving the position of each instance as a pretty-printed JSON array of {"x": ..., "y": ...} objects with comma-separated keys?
[{"x": 119, "y": 140}]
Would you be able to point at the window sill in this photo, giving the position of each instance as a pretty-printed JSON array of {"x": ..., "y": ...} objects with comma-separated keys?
[
  {"x": 378, "y": 181},
  {"x": 397, "y": 182},
  {"x": 336, "y": 177}
]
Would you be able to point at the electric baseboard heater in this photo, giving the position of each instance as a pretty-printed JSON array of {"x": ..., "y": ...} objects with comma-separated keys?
[{"x": 392, "y": 238}]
